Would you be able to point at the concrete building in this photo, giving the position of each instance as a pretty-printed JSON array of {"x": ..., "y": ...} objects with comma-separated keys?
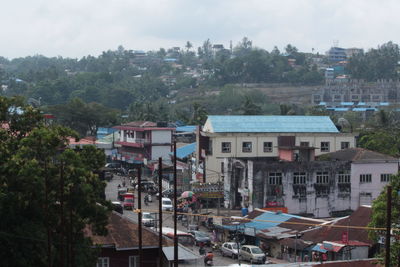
[
  {"x": 143, "y": 141},
  {"x": 267, "y": 137},
  {"x": 336, "y": 54},
  {"x": 334, "y": 184}
]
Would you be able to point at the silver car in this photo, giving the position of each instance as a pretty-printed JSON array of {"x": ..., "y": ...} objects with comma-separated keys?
[
  {"x": 229, "y": 249},
  {"x": 252, "y": 254}
]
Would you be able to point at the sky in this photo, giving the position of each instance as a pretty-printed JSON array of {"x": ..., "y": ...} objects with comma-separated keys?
[{"x": 77, "y": 28}]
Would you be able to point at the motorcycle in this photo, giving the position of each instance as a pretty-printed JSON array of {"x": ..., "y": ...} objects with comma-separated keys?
[{"x": 146, "y": 200}]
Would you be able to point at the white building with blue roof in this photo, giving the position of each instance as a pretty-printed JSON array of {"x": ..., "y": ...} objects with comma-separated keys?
[{"x": 281, "y": 137}]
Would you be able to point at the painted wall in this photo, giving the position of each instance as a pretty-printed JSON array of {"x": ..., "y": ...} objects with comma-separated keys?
[
  {"x": 160, "y": 151},
  {"x": 375, "y": 187},
  {"x": 161, "y": 137}
]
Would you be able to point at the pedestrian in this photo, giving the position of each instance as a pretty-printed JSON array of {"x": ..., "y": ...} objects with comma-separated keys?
[{"x": 123, "y": 183}]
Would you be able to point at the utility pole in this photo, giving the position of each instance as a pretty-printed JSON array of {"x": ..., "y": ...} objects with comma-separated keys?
[
  {"x": 175, "y": 215},
  {"x": 160, "y": 252},
  {"x": 204, "y": 170},
  {"x": 388, "y": 225},
  {"x": 140, "y": 215}
]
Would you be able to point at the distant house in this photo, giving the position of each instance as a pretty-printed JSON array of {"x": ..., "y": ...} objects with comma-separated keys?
[
  {"x": 336, "y": 54},
  {"x": 142, "y": 141},
  {"x": 120, "y": 247}
]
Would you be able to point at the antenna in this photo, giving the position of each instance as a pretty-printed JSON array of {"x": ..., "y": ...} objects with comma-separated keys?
[{"x": 335, "y": 43}]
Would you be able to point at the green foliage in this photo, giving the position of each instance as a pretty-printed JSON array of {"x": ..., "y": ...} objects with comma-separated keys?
[
  {"x": 380, "y": 63},
  {"x": 379, "y": 218},
  {"x": 386, "y": 142},
  {"x": 48, "y": 191}
]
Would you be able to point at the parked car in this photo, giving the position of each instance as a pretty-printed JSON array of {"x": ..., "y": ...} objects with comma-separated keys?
[
  {"x": 230, "y": 249},
  {"x": 114, "y": 166},
  {"x": 147, "y": 219},
  {"x": 253, "y": 254},
  {"x": 201, "y": 237},
  {"x": 117, "y": 207},
  {"x": 166, "y": 204}
]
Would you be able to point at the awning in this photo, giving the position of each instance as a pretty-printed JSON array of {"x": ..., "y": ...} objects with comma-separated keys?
[
  {"x": 318, "y": 247},
  {"x": 183, "y": 254}
]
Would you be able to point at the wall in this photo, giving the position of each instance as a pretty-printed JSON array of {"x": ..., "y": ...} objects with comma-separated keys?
[
  {"x": 160, "y": 151},
  {"x": 359, "y": 252},
  {"x": 375, "y": 187},
  {"x": 258, "y": 139},
  {"x": 161, "y": 137}
]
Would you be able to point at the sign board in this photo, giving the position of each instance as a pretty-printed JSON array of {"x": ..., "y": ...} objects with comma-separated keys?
[{"x": 250, "y": 231}]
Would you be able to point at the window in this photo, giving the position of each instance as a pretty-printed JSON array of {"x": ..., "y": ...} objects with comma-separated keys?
[
  {"x": 365, "y": 178},
  {"x": 322, "y": 177},
  {"x": 267, "y": 147},
  {"x": 275, "y": 178},
  {"x": 246, "y": 147},
  {"x": 226, "y": 147},
  {"x": 222, "y": 167},
  {"x": 299, "y": 178},
  {"x": 344, "y": 177},
  {"x": 210, "y": 147},
  {"x": 305, "y": 144},
  {"x": 344, "y": 145},
  {"x": 385, "y": 177},
  {"x": 133, "y": 261},
  {"x": 103, "y": 262},
  {"x": 300, "y": 191},
  {"x": 322, "y": 191},
  {"x": 324, "y": 146}
]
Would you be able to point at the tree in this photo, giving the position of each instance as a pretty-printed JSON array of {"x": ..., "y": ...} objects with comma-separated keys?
[
  {"x": 379, "y": 219},
  {"x": 49, "y": 192},
  {"x": 386, "y": 142},
  {"x": 248, "y": 107},
  {"x": 188, "y": 46},
  {"x": 199, "y": 114}
]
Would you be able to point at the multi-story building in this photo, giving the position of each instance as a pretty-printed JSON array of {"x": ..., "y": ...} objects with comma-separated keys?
[
  {"x": 142, "y": 141},
  {"x": 334, "y": 183},
  {"x": 336, "y": 54},
  {"x": 268, "y": 137}
]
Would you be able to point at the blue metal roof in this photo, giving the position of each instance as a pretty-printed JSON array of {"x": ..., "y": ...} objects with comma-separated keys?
[
  {"x": 269, "y": 219},
  {"x": 185, "y": 151},
  {"x": 341, "y": 109},
  {"x": 361, "y": 104},
  {"x": 186, "y": 128},
  {"x": 359, "y": 109},
  {"x": 272, "y": 124},
  {"x": 322, "y": 103},
  {"x": 346, "y": 103},
  {"x": 384, "y": 104}
]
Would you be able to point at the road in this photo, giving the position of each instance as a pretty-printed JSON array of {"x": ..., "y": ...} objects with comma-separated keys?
[{"x": 111, "y": 194}]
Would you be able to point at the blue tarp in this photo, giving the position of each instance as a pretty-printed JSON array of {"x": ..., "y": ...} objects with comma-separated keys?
[
  {"x": 318, "y": 248},
  {"x": 269, "y": 219},
  {"x": 186, "y": 128},
  {"x": 271, "y": 124},
  {"x": 341, "y": 109},
  {"x": 185, "y": 151}
]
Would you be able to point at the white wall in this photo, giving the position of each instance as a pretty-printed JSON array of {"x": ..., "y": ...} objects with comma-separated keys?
[
  {"x": 359, "y": 253},
  {"x": 161, "y": 137},
  {"x": 160, "y": 151},
  {"x": 375, "y": 187}
]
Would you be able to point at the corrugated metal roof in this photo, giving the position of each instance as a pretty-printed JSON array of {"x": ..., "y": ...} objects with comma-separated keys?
[
  {"x": 341, "y": 109},
  {"x": 271, "y": 124},
  {"x": 185, "y": 151},
  {"x": 186, "y": 128},
  {"x": 269, "y": 219},
  {"x": 346, "y": 103}
]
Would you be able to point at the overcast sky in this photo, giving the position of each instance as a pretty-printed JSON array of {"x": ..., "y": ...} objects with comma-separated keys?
[{"x": 77, "y": 28}]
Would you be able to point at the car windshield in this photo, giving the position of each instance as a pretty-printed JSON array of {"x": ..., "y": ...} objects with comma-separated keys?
[
  {"x": 234, "y": 246},
  {"x": 201, "y": 234},
  {"x": 147, "y": 216},
  {"x": 128, "y": 199},
  {"x": 256, "y": 251},
  {"x": 167, "y": 202}
]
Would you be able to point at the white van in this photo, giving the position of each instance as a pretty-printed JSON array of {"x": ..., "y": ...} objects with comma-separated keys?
[{"x": 166, "y": 204}]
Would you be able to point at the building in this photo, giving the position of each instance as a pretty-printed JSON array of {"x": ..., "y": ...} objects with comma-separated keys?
[
  {"x": 334, "y": 184},
  {"x": 353, "y": 51},
  {"x": 143, "y": 141},
  {"x": 120, "y": 247},
  {"x": 267, "y": 137},
  {"x": 336, "y": 54}
]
